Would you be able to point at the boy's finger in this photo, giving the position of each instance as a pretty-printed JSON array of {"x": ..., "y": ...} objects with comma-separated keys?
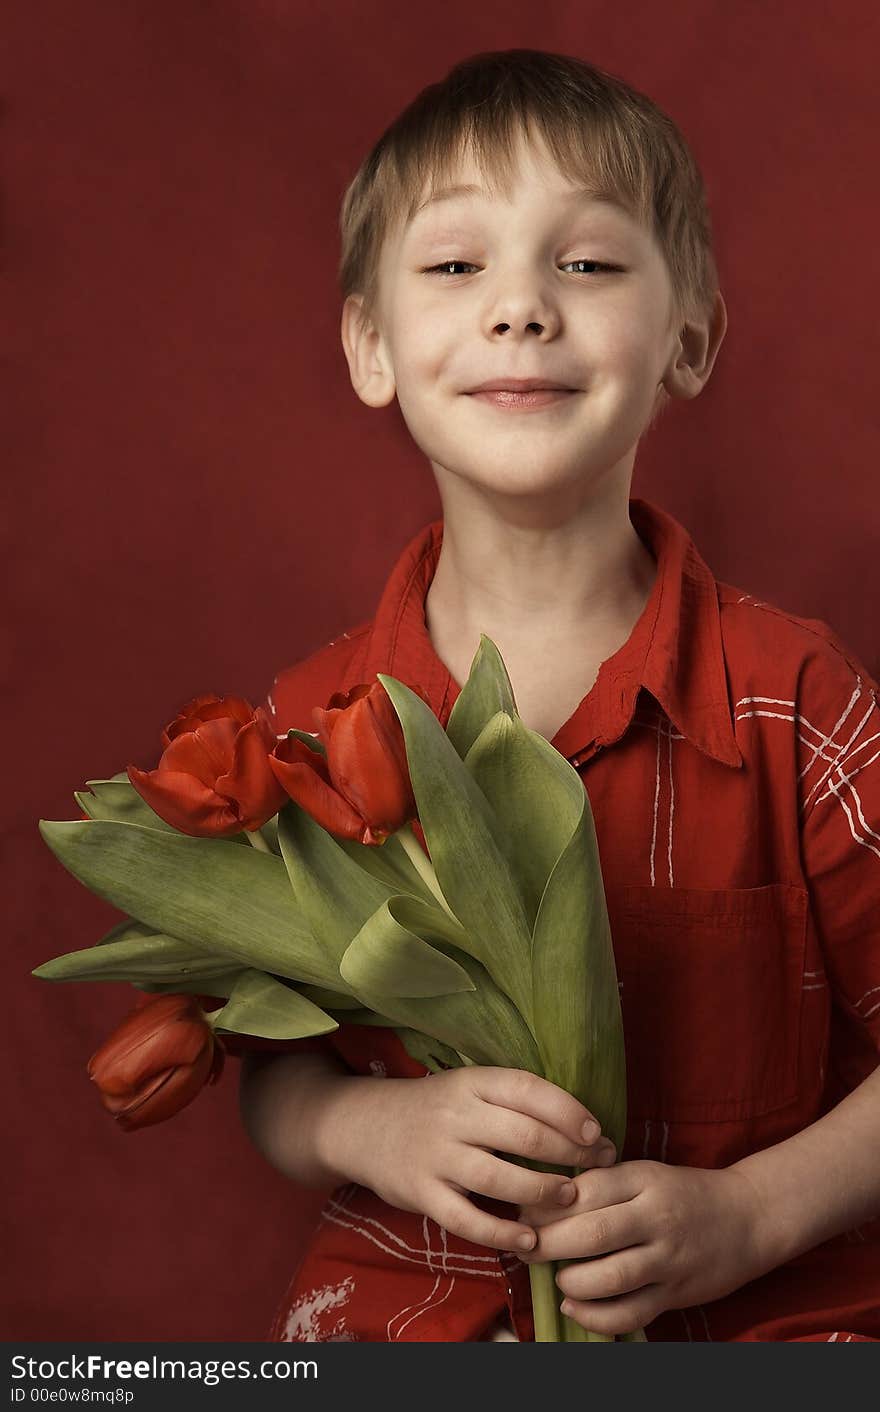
[
  {"x": 460, "y": 1216},
  {"x": 544, "y": 1212},
  {"x": 529, "y": 1093}
]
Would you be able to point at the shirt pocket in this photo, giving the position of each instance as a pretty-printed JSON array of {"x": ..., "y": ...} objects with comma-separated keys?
[{"x": 711, "y": 994}]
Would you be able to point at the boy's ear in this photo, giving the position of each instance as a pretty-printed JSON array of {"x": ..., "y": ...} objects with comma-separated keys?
[
  {"x": 369, "y": 367},
  {"x": 697, "y": 348}
]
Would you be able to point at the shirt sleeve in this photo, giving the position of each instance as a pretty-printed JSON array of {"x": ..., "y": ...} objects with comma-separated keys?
[{"x": 838, "y": 755}]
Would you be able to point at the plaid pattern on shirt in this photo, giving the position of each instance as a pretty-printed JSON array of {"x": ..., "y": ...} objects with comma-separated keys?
[{"x": 731, "y": 754}]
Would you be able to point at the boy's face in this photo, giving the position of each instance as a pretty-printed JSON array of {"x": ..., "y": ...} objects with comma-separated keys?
[{"x": 522, "y": 292}]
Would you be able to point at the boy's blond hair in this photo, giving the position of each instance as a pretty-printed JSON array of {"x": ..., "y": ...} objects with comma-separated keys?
[{"x": 601, "y": 133}]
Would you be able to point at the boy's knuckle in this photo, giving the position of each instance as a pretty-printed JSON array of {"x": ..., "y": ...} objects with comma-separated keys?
[
  {"x": 599, "y": 1233},
  {"x": 531, "y": 1142},
  {"x": 522, "y": 1082},
  {"x": 542, "y": 1190}
]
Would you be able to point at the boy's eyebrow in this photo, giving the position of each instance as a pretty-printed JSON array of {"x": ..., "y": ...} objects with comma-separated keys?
[{"x": 450, "y": 193}]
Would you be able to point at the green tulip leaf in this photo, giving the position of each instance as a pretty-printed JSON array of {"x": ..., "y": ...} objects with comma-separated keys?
[
  {"x": 578, "y": 1021},
  {"x": 330, "y": 999},
  {"x": 235, "y": 901},
  {"x": 220, "y": 985},
  {"x": 308, "y": 739},
  {"x": 486, "y": 692},
  {"x": 135, "y": 958},
  {"x": 482, "y": 1022},
  {"x": 391, "y": 955},
  {"x": 261, "y": 1005},
  {"x": 362, "y": 1016},
  {"x": 389, "y": 863},
  {"x": 460, "y": 829},
  {"x": 334, "y": 896},
  {"x": 126, "y": 931},
  {"x": 118, "y": 799},
  {"x": 430, "y": 1052},
  {"x": 535, "y": 791}
]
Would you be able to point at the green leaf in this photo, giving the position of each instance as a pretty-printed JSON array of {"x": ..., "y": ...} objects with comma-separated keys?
[
  {"x": 459, "y": 827},
  {"x": 127, "y": 930},
  {"x": 535, "y": 791},
  {"x": 261, "y": 1005},
  {"x": 235, "y": 901},
  {"x": 481, "y": 1022},
  {"x": 117, "y": 799},
  {"x": 308, "y": 739},
  {"x": 135, "y": 958},
  {"x": 330, "y": 999},
  {"x": 486, "y": 692},
  {"x": 428, "y": 1051},
  {"x": 334, "y": 895},
  {"x": 220, "y": 985},
  {"x": 578, "y": 1022},
  {"x": 389, "y": 863},
  {"x": 391, "y": 955}
]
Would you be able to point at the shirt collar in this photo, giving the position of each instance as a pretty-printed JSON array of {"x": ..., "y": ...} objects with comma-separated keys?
[{"x": 674, "y": 650}]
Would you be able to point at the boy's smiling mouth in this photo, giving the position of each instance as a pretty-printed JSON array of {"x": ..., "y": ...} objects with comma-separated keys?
[{"x": 521, "y": 393}]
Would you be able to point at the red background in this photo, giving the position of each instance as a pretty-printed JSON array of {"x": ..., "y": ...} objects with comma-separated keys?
[{"x": 197, "y": 498}]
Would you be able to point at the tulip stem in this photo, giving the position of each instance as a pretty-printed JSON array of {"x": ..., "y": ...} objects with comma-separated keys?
[
  {"x": 422, "y": 864},
  {"x": 256, "y": 838}
]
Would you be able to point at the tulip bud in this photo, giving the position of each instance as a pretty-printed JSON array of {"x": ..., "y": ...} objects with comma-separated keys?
[
  {"x": 156, "y": 1061},
  {"x": 360, "y": 786},
  {"x": 214, "y": 778}
]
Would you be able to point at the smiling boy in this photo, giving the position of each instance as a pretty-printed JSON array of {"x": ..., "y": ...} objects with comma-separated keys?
[
  {"x": 527, "y": 269},
  {"x": 538, "y": 548}
]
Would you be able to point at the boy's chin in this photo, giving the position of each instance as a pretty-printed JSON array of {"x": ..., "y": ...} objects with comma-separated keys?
[{"x": 519, "y": 477}]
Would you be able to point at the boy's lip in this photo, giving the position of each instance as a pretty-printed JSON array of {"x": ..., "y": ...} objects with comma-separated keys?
[{"x": 521, "y": 385}]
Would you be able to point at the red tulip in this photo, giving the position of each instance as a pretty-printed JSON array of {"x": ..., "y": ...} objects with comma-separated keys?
[
  {"x": 361, "y": 787},
  {"x": 214, "y": 777},
  {"x": 156, "y": 1061}
]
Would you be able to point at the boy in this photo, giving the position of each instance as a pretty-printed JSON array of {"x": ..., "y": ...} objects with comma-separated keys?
[{"x": 527, "y": 267}]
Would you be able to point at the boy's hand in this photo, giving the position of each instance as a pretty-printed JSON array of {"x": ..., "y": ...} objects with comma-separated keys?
[
  {"x": 657, "y": 1237},
  {"x": 425, "y": 1144}
]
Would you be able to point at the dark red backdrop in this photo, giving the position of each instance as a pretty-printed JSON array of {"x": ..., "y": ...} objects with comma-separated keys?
[{"x": 198, "y": 498}]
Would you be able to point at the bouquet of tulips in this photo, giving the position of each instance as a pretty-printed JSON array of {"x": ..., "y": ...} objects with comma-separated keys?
[{"x": 445, "y": 883}]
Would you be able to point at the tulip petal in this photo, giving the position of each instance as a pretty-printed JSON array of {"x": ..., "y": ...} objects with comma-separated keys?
[
  {"x": 303, "y": 774},
  {"x": 153, "y": 1036},
  {"x": 250, "y": 785},
  {"x": 184, "y": 803},
  {"x": 177, "y": 1089},
  {"x": 206, "y": 751},
  {"x": 207, "y": 707},
  {"x": 218, "y": 1060},
  {"x": 366, "y": 757},
  {"x": 119, "y": 1103}
]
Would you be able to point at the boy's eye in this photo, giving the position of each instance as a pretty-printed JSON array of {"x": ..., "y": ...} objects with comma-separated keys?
[
  {"x": 595, "y": 264},
  {"x": 445, "y": 270}
]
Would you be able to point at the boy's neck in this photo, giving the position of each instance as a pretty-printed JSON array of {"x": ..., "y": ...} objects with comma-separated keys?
[{"x": 585, "y": 579}]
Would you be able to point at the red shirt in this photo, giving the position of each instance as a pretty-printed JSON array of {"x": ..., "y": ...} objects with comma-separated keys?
[{"x": 731, "y": 755}]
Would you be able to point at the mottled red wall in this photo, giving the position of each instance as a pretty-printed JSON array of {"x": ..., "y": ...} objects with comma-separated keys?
[{"x": 197, "y": 498}]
